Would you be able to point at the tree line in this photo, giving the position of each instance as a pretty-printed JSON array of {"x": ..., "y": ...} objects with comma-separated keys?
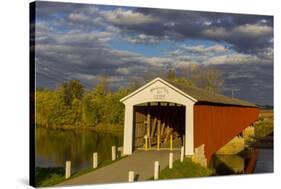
[{"x": 71, "y": 104}]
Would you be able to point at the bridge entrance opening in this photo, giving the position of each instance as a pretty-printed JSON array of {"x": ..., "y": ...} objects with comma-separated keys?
[{"x": 158, "y": 125}]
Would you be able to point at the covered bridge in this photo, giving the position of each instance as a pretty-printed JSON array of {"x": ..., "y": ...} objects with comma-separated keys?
[{"x": 161, "y": 111}]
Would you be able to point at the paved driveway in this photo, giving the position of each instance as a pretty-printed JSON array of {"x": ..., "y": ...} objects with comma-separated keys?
[{"x": 141, "y": 162}]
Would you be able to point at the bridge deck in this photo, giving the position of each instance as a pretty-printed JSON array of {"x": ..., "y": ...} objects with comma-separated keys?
[{"x": 141, "y": 162}]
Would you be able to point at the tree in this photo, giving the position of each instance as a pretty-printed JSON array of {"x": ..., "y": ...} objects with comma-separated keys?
[
  {"x": 89, "y": 114},
  {"x": 134, "y": 84},
  {"x": 103, "y": 83},
  {"x": 171, "y": 75},
  {"x": 209, "y": 78},
  {"x": 76, "y": 89},
  {"x": 184, "y": 81},
  {"x": 71, "y": 90},
  {"x": 116, "y": 113},
  {"x": 94, "y": 104},
  {"x": 51, "y": 109},
  {"x": 206, "y": 77}
]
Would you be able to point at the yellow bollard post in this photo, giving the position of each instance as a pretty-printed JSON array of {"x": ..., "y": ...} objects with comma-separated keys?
[
  {"x": 158, "y": 134},
  {"x": 171, "y": 142},
  {"x": 158, "y": 142},
  {"x": 145, "y": 138}
]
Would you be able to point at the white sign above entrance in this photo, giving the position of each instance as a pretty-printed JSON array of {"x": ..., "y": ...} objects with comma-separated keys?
[{"x": 159, "y": 93}]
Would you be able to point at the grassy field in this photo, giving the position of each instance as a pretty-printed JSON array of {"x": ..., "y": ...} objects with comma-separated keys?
[
  {"x": 264, "y": 126},
  {"x": 185, "y": 169}
]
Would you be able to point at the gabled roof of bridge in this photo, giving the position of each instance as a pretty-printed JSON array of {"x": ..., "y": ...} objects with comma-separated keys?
[{"x": 196, "y": 94}]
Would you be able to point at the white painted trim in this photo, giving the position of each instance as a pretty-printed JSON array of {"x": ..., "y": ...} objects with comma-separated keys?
[
  {"x": 143, "y": 95},
  {"x": 128, "y": 130},
  {"x": 189, "y": 129},
  {"x": 153, "y": 81}
]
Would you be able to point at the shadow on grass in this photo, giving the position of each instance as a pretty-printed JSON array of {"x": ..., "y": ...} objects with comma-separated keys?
[
  {"x": 48, "y": 176},
  {"x": 185, "y": 169}
]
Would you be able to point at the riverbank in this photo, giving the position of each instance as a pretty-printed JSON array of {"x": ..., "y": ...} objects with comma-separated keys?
[
  {"x": 185, "y": 169},
  {"x": 107, "y": 128},
  {"x": 55, "y": 146},
  {"x": 264, "y": 126}
]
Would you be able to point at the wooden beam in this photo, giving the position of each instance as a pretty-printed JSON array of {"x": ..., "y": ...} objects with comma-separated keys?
[
  {"x": 158, "y": 134},
  {"x": 153, "y": 127},
  {"x": 148, "y": 128},
  {"x": 162, "y": 129},
  {"x": 170, "y": 130}
]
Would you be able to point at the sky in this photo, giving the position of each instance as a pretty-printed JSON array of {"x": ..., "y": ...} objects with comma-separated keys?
[{"x": 84, "y": 42}]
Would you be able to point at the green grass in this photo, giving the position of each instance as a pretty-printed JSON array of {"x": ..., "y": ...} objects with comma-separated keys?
[
  {"x": 264, "y": 126},
  {"x": 48, "y": 176},
  {"x": 185, "y": 169},
  {"x": 52, "y": 176},
  {"x": 234, "y": 146}
]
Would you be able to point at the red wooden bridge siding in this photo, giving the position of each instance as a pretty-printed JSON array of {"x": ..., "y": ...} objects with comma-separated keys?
[{"x": 214, "y": 126}]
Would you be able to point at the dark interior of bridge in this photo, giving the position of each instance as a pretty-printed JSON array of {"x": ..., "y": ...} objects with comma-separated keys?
[{"x": 161, "y": 123}]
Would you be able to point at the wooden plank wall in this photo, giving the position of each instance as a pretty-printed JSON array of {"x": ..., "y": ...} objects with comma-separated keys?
[
  {"x": 214, "y": 126},
  {"x": 166, "y": 120},
  {"x": 139, "y": 126}
]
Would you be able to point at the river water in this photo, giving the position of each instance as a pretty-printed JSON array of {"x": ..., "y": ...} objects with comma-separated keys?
[
  {"x": 54, "y": 147},
  {"x": 258, "y": 158}
]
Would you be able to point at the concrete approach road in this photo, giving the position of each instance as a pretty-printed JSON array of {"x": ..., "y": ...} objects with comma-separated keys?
[{"x": 141, "y": 162}]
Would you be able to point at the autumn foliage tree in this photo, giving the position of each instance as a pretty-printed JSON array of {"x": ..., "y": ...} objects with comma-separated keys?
[
  {"x": 204, "y": 77},
  {"x": 70, "y": 104}
]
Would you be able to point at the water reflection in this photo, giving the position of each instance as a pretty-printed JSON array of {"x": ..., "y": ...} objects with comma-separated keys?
[
  {"x": 242, "y": 163},
  {"x": 228, "y": 164},
  {"x": 54, "y": 147}
]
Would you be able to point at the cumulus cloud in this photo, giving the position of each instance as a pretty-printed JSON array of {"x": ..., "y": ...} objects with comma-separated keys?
[
  {"x": 78, "y": 17},
  {"x": 81, "y": 37},
  {"x": 254, "y": 30},
  {"x": 74, "y": 41},
  {"x": 84, "y": 56},
  {"x": 144, "y": 39},
  {"x": 201, "y": 49},
  {"x": 248, "y": 38},
  {"x": 245, "y": 33},
  {"x": 213, "y": 54},
  {"x": 216, "y": 32},
  {"x": 234, "y": 59},
  {"x": 127, "y": 17}
]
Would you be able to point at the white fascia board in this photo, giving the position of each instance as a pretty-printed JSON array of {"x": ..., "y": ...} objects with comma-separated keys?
[{"x": 153, "y": 81}]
